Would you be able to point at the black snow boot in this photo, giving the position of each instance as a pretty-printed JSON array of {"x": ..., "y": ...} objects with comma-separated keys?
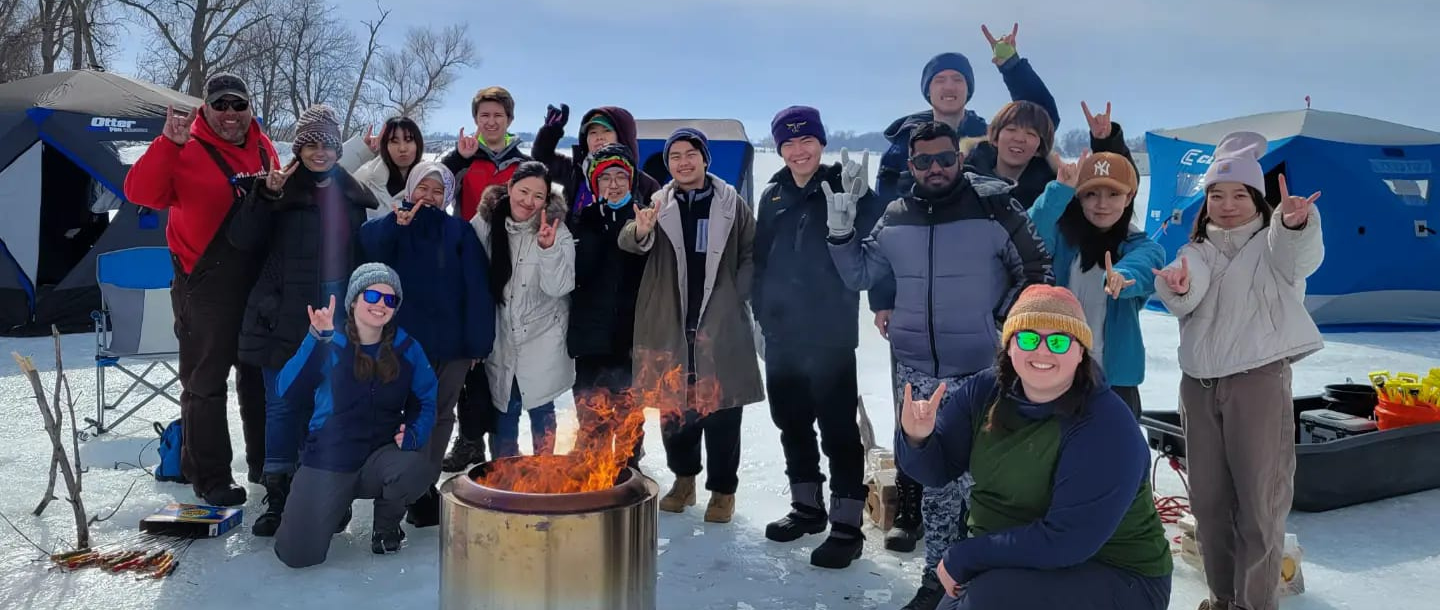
[
  {"x": 909, "y": 526},
  {"x": 386, "y": 540},
  {"x": 807, "y": 515},
  {"x": 425, "y": 511},
  {"x": 929, "y": 595},
  {"x": 846, "y": 540},
  {"x": 462, "y": 454},
  {"x": 277, "y": 488}
]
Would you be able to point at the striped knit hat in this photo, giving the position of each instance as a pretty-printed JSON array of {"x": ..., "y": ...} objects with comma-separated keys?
[
  {"x": 610, "y": 155},
  {"x": 318, "y": 125},
  {"x": 1044, "y": 306}
]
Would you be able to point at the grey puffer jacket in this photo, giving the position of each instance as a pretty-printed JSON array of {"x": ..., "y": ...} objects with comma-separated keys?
[{"x": 959, "y": 260}]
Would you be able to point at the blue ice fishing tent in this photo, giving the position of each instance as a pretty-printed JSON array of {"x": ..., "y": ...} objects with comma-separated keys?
[
  {"x": 62, "y": 201},
  {"x": 1380, "y": 219},
  {"x": 731, "y": 153}
]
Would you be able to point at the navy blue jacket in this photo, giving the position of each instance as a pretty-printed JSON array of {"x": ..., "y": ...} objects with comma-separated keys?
[
  {"x": 799, "y": 297},
  {"x": 353, "y": 418},
  {"x": 446, "y": 277}
]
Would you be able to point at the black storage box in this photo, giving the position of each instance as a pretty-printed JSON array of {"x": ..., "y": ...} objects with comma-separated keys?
[
  {"x": 1339, "y": 473},
  {"x": 1324, "y": 425}
]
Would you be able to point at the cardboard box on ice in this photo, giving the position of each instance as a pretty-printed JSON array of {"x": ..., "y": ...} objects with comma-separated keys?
[
  {"x": 191, "y": 520},
  {"x": 882, "y": 503},
  {"x": 1292, "y": 577}
]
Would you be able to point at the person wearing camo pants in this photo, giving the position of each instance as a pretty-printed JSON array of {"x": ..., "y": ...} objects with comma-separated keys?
[{"x": 942, "y": 509}]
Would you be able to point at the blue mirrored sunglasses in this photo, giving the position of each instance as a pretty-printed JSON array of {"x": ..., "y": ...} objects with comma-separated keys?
[{"x": 375, "y": 296}]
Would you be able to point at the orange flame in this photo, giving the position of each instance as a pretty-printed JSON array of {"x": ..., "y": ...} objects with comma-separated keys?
[{"x": 610, "y": 426}]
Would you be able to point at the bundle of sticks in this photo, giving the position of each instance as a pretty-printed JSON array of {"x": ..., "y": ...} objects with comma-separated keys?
[{"x": 148, "y": 555}]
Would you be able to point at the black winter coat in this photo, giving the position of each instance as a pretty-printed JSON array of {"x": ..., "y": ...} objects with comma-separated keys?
[
  {"x": 286, "y": 228},
  {"x": 799, "y": 298},
  {"x": 607, "y": 280}
]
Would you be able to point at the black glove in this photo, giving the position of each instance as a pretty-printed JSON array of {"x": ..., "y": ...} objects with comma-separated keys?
[{"x": 557, "y": 117}]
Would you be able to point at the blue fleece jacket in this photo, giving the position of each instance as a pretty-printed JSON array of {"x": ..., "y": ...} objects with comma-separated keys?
[
  {"x": 1139, "y": 256},
  {"x": 1099, "y": 472},
  {"x": 353, "y": 418}
]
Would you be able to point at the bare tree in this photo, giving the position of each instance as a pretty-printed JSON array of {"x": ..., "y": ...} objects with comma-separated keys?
[
  {"x": 371, "y": 46},
  {"x": 193, "y": 38},
  {"x": 415, "y": 75},
  {"x": 19, "y": 40},
  {"x": 54, "y": 21},
  {"x": 92, "y": 33}
]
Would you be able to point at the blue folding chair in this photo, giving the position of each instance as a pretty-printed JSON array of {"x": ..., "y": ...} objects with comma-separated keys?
[{"x": 135, "y": 323}]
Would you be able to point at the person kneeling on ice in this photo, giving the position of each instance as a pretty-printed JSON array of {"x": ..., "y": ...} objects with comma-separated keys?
[
  {"x": 1061, "y": 513},
  {"x": 374, "y": 409},
  {"x": 1238, "y": 291}
]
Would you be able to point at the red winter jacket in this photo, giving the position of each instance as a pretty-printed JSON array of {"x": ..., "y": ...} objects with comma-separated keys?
[
  {"x": 188, "y": 182},
  {"x": 481, "y": 171}
]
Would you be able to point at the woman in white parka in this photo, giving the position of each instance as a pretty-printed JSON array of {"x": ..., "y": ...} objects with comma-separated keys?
[
  {"x": 532, "y": 271},
  {"x": 1238, "y": 290},
  {"x": 383, "y": 164}
]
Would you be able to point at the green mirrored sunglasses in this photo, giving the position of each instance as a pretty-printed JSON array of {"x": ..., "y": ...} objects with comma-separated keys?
[{"x": 1029, "y": 341}]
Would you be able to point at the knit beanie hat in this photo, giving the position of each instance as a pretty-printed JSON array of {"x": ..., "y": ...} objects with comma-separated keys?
[
  {"x": 694, "y": 136},
  {"x": 425, "y": 169},
  {"x": 1237, "y": 159},
  {"x": 1045, "y": 306},
  {"x": 948, "y": 61},
  {"x": 318, "y": 125},
  {"x": 368, "y": 275},
  {"x": 609, "y": 155},
  {"x": 1107, "y": 169},
  {"x": 794, "y": 122}
]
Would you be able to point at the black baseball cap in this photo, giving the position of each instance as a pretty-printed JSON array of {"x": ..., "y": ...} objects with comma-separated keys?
[{"x": 224, "y": 84}]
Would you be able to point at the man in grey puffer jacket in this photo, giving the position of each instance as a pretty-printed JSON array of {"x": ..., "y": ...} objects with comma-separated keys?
[{"x": 960, "y": 249}]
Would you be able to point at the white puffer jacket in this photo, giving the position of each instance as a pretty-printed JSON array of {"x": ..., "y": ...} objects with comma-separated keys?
[
  {"x": 371, "y": 172},
  {"x": 530, "y": 327},
  {"x": 1246, "y": 304}
]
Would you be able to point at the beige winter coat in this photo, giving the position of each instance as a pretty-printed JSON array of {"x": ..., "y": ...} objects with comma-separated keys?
[
  {"x": 530, "y": 325},
  {"x": 1246, "y": 304},
  {"x": 725, "y": 345}
]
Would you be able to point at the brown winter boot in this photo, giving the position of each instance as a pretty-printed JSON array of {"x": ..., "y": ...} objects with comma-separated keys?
[
  {"x": 721, "y": 508},
  {"x": 1214, "y": 605},
  {"x": 681, "y": 494}
]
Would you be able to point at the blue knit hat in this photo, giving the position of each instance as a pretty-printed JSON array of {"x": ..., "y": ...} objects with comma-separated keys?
[
  {"x": 794, "y": 122},
  {"x": 694, "y": 136},
  {"x": 948, "y": 61}
]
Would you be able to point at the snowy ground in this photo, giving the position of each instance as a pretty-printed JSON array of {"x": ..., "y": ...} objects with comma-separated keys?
[{"x": 1354, "y": 557}]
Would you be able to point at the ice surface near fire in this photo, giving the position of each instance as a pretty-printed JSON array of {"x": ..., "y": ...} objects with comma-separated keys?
[{"x": 1380, "y": 555}]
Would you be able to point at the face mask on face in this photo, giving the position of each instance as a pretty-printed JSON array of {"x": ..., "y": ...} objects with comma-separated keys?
[{"x": 615, "y": 205}]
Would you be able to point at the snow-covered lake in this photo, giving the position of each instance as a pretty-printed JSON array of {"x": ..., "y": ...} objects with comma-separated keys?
[{"x": 1380, "y": 555}]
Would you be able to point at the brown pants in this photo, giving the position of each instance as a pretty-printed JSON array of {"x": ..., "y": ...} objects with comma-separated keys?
[{"x": 1240, "y": 451}]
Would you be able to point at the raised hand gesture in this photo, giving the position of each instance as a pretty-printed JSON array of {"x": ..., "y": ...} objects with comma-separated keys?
[
  {"x": 372, "y": 141},
  {"x": 404, "y": 216},
  {"x": 1004, "y": 46},
  {"x": 322, "y": 319},
  {"x": 400, "y": 436},
  {"x": 1068, "y": 174},
  {"x": 854, "y": 177},
  {"x": 645, "y": 221},
  {"x": 467, "y": 145},
  {"x": 177, "y": 125},
  {"x": 1176, "y": 279},
  {"x": 1100, "y": 126},
  {"x": 918, "y": 416},
  {"x": 275, "y": 180},
  {"x": 546, "y": 235},
  {"x": 1294, "y": 209},
  {"x": 557, "y": 117},
  {"x": 1114, "y": 281}
]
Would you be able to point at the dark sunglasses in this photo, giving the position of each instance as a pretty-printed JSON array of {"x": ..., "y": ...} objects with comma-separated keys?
[
  {"x": 1029, "y": 341},
  {"x": 374, "y": 296},
  {"x": 222, "y": 104},
  {"x": 945, "y": 159}
]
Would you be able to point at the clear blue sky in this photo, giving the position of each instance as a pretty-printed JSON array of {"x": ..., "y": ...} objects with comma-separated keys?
[{"x": 1162, "y": 63}]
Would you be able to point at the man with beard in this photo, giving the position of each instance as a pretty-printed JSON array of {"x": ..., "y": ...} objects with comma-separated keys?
[
  {"x": 958, "y": 249},
  {"x": 190, "y": 170}
]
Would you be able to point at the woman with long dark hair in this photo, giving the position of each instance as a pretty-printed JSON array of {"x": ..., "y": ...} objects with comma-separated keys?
[
  {"x": 398, "y": 149},
  {"x": 1061, "y": 513}
]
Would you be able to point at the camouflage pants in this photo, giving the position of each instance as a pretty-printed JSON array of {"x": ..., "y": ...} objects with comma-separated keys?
[{"x": 942, "y": 509}]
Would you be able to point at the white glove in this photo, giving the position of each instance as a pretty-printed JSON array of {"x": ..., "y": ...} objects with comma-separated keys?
[
  {"x": 839, "y": 211},
  {"x": 854, "y": 178}
]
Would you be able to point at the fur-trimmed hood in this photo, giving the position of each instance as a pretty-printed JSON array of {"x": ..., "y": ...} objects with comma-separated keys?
[{"x": 554, "y": 208}]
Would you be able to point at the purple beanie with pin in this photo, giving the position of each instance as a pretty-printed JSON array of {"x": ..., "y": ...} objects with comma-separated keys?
[{"x": 794, "y": 122}]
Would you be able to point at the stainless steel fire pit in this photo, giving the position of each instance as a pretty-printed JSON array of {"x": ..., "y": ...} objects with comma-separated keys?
[{"x": 503, "y": 550}]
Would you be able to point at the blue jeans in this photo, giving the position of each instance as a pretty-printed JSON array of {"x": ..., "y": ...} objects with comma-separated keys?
[
  {"x": 284, "y": 433},
  {"x": 505, "y": 442},
  {"x": 1088, "y": 586}
]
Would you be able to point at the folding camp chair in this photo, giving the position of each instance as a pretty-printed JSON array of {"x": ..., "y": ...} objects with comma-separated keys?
[{"x": 135, "y": 323}]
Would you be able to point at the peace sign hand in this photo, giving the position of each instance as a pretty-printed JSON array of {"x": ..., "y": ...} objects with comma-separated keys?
[
  {"x": 1069, "y": 173},
  {"x": 1294, "y": 209},
  {"x": 404, "y": 216},
  {"x": 1177, "y": 280},
  {"x": 546, "y": 236},
  {"x": 322, "y": 319},
  {"x": 372, "y": 141},
  {"x": 918, "y": 416},
  {"x": 467, "y": 145},
  {"x": 177, "y": 125},
  {"x": 1004, "y": 46},
  {"x": 1100, "y": 125},
  {"x": 275, "y": 180},
  {"x": 1115, "y": 282}
]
